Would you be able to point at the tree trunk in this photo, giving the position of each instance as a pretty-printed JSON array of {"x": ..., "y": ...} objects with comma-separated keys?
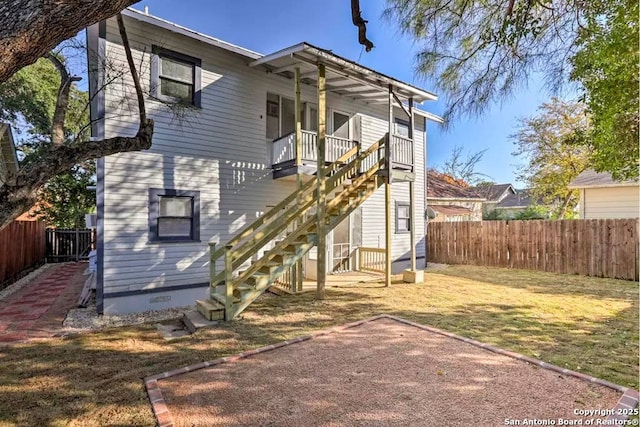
[
  {"x": 20, "y": 194},
  {"x": 31, "y": 29}
]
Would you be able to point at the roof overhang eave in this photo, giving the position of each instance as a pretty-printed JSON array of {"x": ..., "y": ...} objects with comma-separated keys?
[{"x": 308, "y": 54}]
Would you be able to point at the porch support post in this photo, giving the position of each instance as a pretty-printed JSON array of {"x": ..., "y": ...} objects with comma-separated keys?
[
  {"x": 387, "y": 194},
  {"x": 412, "y": 199},
  {"x": 321, "y": 210},
  {"x": 297, "y": 277}
]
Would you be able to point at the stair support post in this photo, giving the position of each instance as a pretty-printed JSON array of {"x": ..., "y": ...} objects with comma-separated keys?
[
  {"x": 412, "y": 198},
  {"x": 212, "y": 267},
  {"x": 297, "y": 276},
  {"x": 387, "y": 194},
  {"x": 320, "y": 175},
  {"x": 228, "y": 283}
]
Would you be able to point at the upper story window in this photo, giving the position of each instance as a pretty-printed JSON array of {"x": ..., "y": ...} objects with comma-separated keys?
[
  {"x": 175, "y": 77},
  {"x": 401, "y": 127}
]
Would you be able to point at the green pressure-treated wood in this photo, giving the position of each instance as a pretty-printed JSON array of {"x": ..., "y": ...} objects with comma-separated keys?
[{"x": 321, "y": 209}]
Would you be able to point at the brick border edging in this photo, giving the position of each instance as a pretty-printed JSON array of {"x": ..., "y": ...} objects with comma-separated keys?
[{"x": 627, "y": 401}]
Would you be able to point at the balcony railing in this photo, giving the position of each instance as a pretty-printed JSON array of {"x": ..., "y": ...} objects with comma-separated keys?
[
  {"x": 402, "y": 152},
  {"x": 284, "y": 148}
]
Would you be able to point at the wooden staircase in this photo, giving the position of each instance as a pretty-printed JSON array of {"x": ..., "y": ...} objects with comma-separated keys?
[{"x": 254, "y": 258}]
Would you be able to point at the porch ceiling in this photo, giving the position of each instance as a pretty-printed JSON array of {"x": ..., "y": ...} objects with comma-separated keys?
[{"x": 344, "y": 77}]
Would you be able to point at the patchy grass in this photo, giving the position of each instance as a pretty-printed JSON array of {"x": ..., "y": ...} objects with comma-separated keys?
[{"x": 585, "y": 324}]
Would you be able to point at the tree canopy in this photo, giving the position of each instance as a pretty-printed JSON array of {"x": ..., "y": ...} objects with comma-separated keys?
[
  {"x": 607, "y": 68},
  {"x": 554, "y": 150},
  {"x": 483, "y": 52}
]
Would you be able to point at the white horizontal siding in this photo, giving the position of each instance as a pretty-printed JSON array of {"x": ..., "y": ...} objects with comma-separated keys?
[
  {"x": 611, "y": 202},
  {"x": 219, "y": 150}
]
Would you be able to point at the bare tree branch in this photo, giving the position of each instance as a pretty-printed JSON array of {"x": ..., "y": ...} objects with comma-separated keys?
[
  {"x": 62, "y": 101},
  {"x": 20, "y": 193},
  {"x": 134, "y": 72}
]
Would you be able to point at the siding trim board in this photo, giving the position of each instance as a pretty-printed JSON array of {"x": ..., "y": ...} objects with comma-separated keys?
[
  {"x": 96, "y": 52},
  {"x": 121, "y": 294}
]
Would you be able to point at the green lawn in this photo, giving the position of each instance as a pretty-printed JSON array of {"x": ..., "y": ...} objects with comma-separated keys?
[{"x": 586, "y": 324}]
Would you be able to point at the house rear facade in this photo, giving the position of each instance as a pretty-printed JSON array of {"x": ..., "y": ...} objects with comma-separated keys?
[{"x": 223, "y": 155}]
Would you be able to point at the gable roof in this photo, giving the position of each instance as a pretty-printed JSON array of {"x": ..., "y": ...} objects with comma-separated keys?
[
  {"x": 8, "y": 158},
  {"x": 451, "y": 209},
  {"x": 339, "y": 69},
  {"x": 522, "y": 199},
  {"x": 493, "y": 192},
  {"x": 439, "y": 188},
  {"x": 173, "y": 27},
  {"x": 592, "y": 179}
]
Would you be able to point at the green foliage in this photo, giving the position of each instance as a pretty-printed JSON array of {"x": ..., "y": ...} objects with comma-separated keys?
[
  {"x": 480, "y": 52},
  {"x": 554, "y": 145},
  {"x": 27, "y": 101},
  {"x": 607, "y": 68},
  {"x": 533, "y": 212},
  {"x": 64, "y": 200},
  {"x": 493, "y": 215}
]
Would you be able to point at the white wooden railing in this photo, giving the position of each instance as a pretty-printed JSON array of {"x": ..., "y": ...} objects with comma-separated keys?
[
  {"x": 402, "y": 151},
  {"x": 284, "y": 148}
]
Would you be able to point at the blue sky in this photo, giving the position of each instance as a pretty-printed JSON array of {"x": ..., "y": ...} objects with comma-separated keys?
[{"x": 266, "y": 26}]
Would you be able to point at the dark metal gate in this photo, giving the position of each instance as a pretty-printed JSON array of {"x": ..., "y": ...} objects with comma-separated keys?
[{"x": 68, "y": 245}]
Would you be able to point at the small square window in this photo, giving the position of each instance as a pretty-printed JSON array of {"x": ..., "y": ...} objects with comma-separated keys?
[
  {"x": 175, "y": 77},
  {"x": 174, "y": 215},
  {"x": 403, "y": 217}
]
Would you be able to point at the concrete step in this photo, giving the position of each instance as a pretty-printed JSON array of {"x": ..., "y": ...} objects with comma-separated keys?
[{"x": 194, "y": 320}]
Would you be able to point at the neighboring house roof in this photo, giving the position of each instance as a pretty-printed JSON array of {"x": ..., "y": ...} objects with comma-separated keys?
[
  {"x": 521, "y": 199},
  {"x": 593, "y": 179},
  {"x": 494, "y": 192},
  {"x": 451, "y": 209},
  {"x": 438, "y": 188},
  {"x": 8, "y": 158}
]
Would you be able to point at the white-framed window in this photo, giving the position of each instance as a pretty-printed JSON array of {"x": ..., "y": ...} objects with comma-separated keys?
[
  {"x": 175, "y": 77},
  {"x": 403, "y": 217}
]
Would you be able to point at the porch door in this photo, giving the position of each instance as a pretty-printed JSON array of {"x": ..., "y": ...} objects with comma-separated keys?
[
  {"x": 340, "y": 247},
  {"x": 340, "y": 124}
]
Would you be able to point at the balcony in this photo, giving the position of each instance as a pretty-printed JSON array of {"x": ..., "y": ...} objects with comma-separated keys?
[{"x": 283, "y": 154}]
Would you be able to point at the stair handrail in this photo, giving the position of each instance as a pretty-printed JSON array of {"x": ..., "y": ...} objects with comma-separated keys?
[
  {"x": 241, "y": 278},
  {"x": 249, "y": 229}
]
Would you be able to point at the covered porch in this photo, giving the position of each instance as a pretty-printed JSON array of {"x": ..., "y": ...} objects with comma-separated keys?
[{"x": 316, "y": 136}]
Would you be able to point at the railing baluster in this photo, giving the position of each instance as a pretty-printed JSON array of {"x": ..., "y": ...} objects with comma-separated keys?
[{"x": 228, "y": 282}]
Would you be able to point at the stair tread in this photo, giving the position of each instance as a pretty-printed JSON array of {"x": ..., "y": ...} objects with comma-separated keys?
[{"x": 221, "y": 299}]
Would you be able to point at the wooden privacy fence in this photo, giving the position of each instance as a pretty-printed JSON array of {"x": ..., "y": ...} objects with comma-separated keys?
[
  {"x": 591, "y": 247},
  {"x": 68, "y": 245},
  {"x": 22, "y": 247}
]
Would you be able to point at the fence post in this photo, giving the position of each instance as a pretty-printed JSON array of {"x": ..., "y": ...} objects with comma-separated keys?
[{"x": 77, "y": 244}]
